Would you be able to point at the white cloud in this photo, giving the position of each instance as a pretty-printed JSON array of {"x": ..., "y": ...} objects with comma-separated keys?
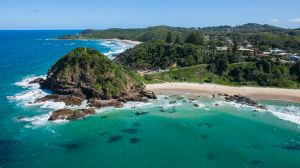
[
  {"x": 296, "y": 20},
  {"x": 274, "y": 20}
]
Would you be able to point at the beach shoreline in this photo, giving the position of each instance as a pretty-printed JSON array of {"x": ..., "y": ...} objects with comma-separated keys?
[
  {"x": 258, "y": 93},
  {"x": 130, "y": 42}
]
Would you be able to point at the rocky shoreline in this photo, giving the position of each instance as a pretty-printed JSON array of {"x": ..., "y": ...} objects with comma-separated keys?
[{"x": 94, "y": 102}]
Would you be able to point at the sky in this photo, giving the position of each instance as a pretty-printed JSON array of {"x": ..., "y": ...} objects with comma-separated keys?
[{"x": 100, "y": 14}]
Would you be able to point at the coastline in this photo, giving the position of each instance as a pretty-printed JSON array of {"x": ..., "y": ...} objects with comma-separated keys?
[
  {"x": 130, "y": 42},
  {"x": 258, "y": 93}
]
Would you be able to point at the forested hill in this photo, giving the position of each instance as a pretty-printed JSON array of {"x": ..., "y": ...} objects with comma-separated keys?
[{"x": 159, "y": 32}]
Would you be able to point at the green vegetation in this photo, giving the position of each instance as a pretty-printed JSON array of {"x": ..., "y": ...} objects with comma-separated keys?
[
  {"x": 260, "y": 36},
  {"x": 253, "y": 74},
  {"x": 92, "y": 72},
  {"x": 224, "y": 54},
  {"x": 161, "y": 54}
]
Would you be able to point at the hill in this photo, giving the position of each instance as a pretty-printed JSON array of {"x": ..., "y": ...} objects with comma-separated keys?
[{"x": 87, "y": 73}]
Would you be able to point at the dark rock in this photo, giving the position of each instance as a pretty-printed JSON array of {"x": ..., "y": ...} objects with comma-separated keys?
[
  {"x": 262, "y": 107},
  {"x": 133, "y": 97},
  {"x": 148, "y": 94},
  {"x": 37, "y": 80},
  {"x": 172, "y": 102},
  {"x": 134, "y": 140},
  {"x": 130, "y": 131},
  {"x": 67, "y": 99},
  {"x": 20, "y": 118},
  {"x": 195, "y": 105},
  {"x": 241, "y": 100},
  {"x": 141, "y": 113},
  {"x": 114, "y": 138},
  {"x": 71, "y": 114},
  {"x": 105, "y": 103},
  {"x": 244, "y": 101}
]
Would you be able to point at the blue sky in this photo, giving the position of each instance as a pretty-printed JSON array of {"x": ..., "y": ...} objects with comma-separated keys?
[{"x": 100, "y": 14}]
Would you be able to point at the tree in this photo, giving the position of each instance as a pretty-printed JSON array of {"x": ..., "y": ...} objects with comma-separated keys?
[
  {"x": 221, "y": 65},
  {"x": 178, "y": 40},
  {"x": 295, "y": 70},
  {"x": 169, "y": 38},
  {"x": 237, "y": 74},
  {"x": 195, "y": 38},
  {"x": 190, "y": 60}
]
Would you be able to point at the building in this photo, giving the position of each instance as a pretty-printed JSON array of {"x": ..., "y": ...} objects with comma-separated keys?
[
  {"x": 222, "y": 48},
  {"x": 294, "y": 58}
]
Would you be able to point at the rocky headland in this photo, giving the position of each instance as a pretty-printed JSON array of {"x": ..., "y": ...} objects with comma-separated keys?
[{"x": 86, "y": 74}]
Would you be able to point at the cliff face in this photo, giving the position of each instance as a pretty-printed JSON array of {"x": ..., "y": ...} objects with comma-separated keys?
[{"x": 90, "y": 74}]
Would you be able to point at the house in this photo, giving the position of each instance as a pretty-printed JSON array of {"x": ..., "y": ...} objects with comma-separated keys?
[
  {"x": 222, "y": 48},
  {"x": 246, "y": 51},
  {"x": 294, "y": 58}
]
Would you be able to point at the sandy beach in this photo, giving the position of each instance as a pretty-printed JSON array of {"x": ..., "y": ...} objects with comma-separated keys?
[
  {"x": 125, "y": 41},
  {"x": 260, "y": 93}
]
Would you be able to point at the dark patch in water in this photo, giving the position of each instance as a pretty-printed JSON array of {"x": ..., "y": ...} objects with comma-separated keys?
[
  {"x": 103, "y": 117},
  {"x": 6, "y": 149},
  {"x": 130, "y": 130},
  {"x": 291, "y": 146},
  {"x": 104, "y": 133},
  {"x": 208, "y": 125},
  {"x": 134, "y": 140},
  {"x": 210, "y": 156},
  {"x": 141, "y": 113},
  {"x": 255, "y": 163},
  {"x": 114, "y": 138},
  {"x": 72, "y": 146},
  {"x": 204, "y": 136},
  {"x": 136, "y": 124}
]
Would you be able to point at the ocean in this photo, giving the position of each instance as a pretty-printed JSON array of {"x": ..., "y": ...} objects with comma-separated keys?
[{"x": 153, "y": 134}]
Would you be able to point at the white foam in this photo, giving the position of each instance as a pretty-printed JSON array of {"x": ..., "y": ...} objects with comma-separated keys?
[
  {"x": 136, "y": 104},
  {"x": 36, "y": 121},
  {"x": 288, "y": 113},
  {"x": 116, "y": 47}
]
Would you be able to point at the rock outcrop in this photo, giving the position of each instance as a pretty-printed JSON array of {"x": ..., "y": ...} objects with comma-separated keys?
[
  {"x": 37, "y": 80},
  {"x": 105, "y": 103},
  {"x": 241, "y": 100},
  {"x": 67, "y": 99},
  {"x": 244, "y": 101},
  {"x": 67, "y": 114}
]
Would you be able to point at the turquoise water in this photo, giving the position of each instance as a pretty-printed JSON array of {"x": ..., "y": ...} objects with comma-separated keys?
[{"x": 181, "y": 135}]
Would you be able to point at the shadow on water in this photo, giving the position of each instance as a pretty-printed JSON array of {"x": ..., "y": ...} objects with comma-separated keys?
[
  {"x": 136, "y": 124},
  {"x": 255, "y": 163},
  {"x": 130, "y": 130},
  {"x": 114, "y": 139},
  {"x": 206, "y": 124},
  {"x": 210, "y": 156},
  {"x": 134, "y": 140},
  {"x": 72, "y": 146},
  {"x": 6, "y": 149},
  {"x": 104, "y": 133}
]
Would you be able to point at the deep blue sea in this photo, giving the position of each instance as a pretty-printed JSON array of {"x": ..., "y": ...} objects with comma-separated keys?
[{"x": 180, "y": 135}]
